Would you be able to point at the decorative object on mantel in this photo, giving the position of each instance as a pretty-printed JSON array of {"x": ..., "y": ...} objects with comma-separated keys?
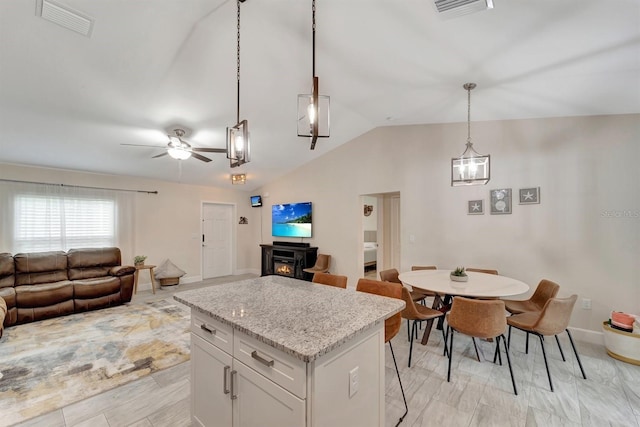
[
  {"x": 475, "y": 207},
  {"x": 459, "y": 275},
  {"x": 529, "y": 196},
  {"x": 238, "y": 178},
  {"x": 139, "y": 260},
  {"x": 238, "y": 147},
  {"x": 501, "y": 201},
  {"x": 471, "y": 168},
  {"x": 243, "y": 220},
  {"x": 368, "y": 209},
  {"x": 313, "y": 109}
]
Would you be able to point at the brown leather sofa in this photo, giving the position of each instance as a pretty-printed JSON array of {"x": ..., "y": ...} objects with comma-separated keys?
[{"x": 40, "y": 285}]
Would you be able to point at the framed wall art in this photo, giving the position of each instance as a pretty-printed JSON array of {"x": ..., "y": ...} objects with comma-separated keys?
[
  {"x": 475, "y": 207},
  {"x": 529, "y": 196},
  {"x": 501, "y": 201}
]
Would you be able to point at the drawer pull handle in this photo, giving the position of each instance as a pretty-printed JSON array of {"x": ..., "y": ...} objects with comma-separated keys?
[
  {"x": 225, "y": 386},
  {"x": 234, "y": 396},
  {"x": 206, "y": 328},
  {"x": 254, "y": 354}
]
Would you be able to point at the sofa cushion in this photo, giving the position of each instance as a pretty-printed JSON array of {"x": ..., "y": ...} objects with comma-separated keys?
[
  {"x": 40, "y": 267},
  {"x": 7, "y": 270},
  {"x": 31, "y": 314},
  {"x": 43, "y": 295},
  {"x": 92, "y": 262},
  {"x": 9, "y": 296},
  {"x": 93, "y": 288}
]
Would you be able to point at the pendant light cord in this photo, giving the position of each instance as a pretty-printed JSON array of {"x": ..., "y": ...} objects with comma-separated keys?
[
  {"x": 469, "y": 115},
  {"x": 238, "y": 66},
  {"x": 313, "y": 38}
]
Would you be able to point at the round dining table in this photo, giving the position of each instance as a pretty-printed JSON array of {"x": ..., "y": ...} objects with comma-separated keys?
[{"x": 478, "y": 285}]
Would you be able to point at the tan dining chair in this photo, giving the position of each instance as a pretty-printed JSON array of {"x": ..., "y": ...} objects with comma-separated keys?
[
  {"x": 330, "y": 279},
  {"x": 483, "y": 270},
  {"x": 478, "y": 319},
  {"x": 392, "y": 275},
  {"x": 553, "y": 319},
  {"x": 392, "y": 324},
  {"x": 418, "y": 314},
  {"x": 321, "y": 266}
]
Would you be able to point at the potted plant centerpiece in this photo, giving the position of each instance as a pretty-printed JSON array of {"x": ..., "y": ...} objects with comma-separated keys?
[
  {"x": 459, "y": 275},
  {"x": 139, "y": 260}
]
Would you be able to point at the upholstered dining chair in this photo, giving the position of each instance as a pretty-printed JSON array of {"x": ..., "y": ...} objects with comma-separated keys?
[
  {"x": 483, "y": 270},
  {"x": 553, "y": 319},
  {"x": 478, "y": 319},
  {"x": 321, "y": 266},
  {"x": 418, "y": 314},
  {"x": 391, "y": 275},
  {"x": 392, "y": 324},
  {"x": 330, "y": 279}
]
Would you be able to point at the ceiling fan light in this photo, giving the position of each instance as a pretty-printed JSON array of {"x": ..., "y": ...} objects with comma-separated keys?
[{"x": 179, "y": 153}]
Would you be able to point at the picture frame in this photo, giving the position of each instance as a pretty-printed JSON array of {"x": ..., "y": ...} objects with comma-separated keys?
[
  {"x": 529, "y": 196},
  {"x": 500, "y": 201},
  {"x": 475, "y": 207}
]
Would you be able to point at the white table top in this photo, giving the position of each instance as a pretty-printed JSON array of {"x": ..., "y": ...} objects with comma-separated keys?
[{"x": 478, "y": 285}]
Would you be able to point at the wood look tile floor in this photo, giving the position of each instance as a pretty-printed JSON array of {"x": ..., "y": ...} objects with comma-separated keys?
[{"x": 479, "y": 394}]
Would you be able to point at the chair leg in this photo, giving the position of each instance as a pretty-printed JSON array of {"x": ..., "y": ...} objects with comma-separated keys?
[
  {"x": 560, "y": 348},
  {"x": 576, "y": 353},
  {"x": 509, "y": 340},
  {"x": 475, "y": 346},
  {"x": 450, "y": 351},
  {"x": 444, "y": 337},
  {"x": 546, "y": 364},
  {"x": 413, "y": 333},
  {"x": 506, "y": 350},
  {"x": 408, "y": 332},
  {"x": 406, "y": 407},
  {"x": 526, "y": 351}
]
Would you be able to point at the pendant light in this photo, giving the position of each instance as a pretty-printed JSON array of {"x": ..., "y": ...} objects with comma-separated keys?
[
  {"x": 313, "y": 109},
  {"x": 238, "y": 148},
  {"x": 471, "y": 168}
]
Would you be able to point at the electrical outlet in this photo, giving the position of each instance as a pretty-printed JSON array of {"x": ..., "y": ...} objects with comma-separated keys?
[
  {"x": 354, "y": 381},
  {"x": 586, "y": 304}
]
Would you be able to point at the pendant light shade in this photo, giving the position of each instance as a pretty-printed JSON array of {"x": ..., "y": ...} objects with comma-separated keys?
[
  {"x": 313, "y": 108},
  {"x": 238, "y": 144},
  {"x": 471, "y": 168}
]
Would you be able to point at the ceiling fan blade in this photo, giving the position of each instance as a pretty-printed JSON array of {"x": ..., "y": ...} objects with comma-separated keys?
[
  {"x": 160, "y": 155},
  {"x": 209, "y": 150},
  {"x": 144, "y": 145},
  {"x": 200, "y": 157}
]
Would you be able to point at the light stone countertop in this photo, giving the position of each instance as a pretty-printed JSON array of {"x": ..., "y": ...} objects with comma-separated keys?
[{"x": 303, "y": 319}]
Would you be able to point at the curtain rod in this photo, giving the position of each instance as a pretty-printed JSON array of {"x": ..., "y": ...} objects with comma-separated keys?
[{"x": 79, "y": 186}]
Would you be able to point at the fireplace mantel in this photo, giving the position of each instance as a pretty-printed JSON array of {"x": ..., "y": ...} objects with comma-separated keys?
[{"x": 296, "y": 256}]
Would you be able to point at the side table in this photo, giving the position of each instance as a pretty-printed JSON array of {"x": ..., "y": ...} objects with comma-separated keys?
[{"x": 135, "y": 277}]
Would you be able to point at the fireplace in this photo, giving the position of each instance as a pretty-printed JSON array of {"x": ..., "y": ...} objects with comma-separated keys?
[{"x": 283, "y": 267}]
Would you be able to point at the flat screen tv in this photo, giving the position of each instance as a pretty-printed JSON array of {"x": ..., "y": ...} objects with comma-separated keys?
[
  {"x": 256, "y": 201},
  {"x": 291, "y": 220}
]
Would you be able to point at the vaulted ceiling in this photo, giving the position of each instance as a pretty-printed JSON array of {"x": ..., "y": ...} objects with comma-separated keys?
[{"x": 70, "y": 101}]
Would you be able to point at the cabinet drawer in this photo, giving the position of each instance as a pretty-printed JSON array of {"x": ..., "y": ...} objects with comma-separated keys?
[
  {"x": 212, "y": 331},
  {"x": 285, "y": 370}
]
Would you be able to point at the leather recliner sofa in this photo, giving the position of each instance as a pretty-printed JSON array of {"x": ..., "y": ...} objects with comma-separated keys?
[{"x": 41, "y": 285}]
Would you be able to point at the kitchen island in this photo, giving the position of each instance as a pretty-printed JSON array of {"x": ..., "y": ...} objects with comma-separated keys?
[{"x": 281, "y": 352}]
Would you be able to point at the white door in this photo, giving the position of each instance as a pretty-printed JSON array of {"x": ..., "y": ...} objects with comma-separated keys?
[
  {"x": 217, "y": 245},
  {"x": 262, "y": 403},
  {"x": 211, "y": 403}
]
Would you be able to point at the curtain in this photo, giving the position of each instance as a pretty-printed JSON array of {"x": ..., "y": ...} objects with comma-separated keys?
[{"x": 47, "y": 217}]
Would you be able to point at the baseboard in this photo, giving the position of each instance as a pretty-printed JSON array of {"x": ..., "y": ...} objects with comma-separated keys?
[
  {"x": 255, "y": 271},
  {"x": 587, "y": 335},
  {"x": 191, "y": 279}
]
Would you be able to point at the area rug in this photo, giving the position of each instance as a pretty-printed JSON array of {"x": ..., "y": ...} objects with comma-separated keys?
[{"x": 49, "y": 364}]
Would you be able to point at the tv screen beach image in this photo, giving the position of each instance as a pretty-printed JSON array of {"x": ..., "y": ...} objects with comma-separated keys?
[{"x": 291, "y": 220}]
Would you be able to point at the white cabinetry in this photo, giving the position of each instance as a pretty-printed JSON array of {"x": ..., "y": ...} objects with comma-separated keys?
[{"x": 238, "y": 381}]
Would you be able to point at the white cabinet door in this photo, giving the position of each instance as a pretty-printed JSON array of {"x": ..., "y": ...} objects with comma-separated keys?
[
  {"x": 262, "y": 403},
  {"x": 210, "y": 405}
]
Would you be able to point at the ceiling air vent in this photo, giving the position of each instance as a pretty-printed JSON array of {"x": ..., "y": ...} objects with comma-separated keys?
[
  {"x": 65, "y": 17},
  {"x": 453, "y": 8}
]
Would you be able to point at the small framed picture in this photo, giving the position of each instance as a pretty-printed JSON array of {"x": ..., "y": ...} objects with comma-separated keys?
[
  {"x": 501, "y": 201},
  {"x": 529, "y": 196},
  {"x": 475, "y": 207}
]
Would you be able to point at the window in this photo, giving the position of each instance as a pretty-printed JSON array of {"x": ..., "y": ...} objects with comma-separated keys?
[{"x": 57, "y": 222}]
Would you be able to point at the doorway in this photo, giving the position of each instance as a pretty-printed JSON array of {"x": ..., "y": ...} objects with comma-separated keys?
[
  {"x": 381, "y": 233},
  {"x": 217, "y": 240}
]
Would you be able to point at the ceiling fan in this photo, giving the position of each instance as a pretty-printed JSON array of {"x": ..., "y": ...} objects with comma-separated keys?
[{"x": 180, "y": 149}]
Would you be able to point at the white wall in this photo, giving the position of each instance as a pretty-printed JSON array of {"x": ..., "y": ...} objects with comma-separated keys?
[
  {"x": 370, "y": 223},
  {"x": 167, "y": 225},
  {"x": 586, "y": 168}
]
